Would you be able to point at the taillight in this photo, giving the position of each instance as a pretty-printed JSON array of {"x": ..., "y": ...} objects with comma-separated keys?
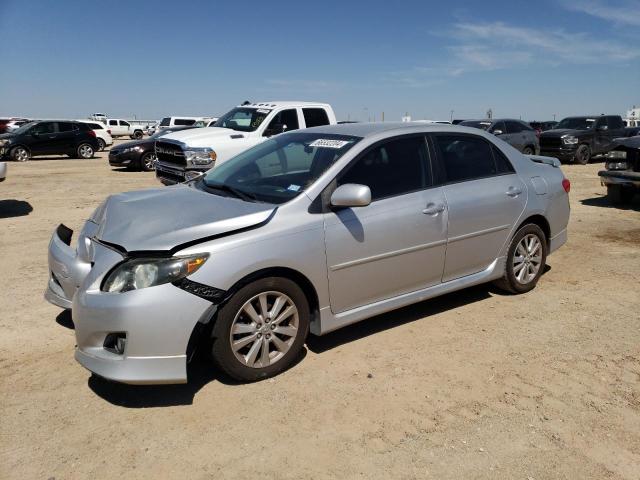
[
  {"x": 566, "y": 184},
  {"x": 92, "y": 133}
]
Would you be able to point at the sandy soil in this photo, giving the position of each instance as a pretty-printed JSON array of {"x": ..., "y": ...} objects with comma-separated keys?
[{"x": 472, "y": 385}]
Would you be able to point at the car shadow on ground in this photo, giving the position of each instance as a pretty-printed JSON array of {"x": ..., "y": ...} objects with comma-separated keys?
[
  {"x": 200, "y": 372},
  {"x": 604, "y": 202},
  {"x": 64, "y": 319},
  {"x": 14, "y": 208}
]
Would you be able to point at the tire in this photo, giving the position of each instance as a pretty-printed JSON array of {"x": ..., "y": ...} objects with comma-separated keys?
[
  {"x": 528, "y": 151},
  {"x": 148, "y": 162},
  {"x": 522, "y": 276},
  {"x": 137, "y": 134},
  {"x": 20, "y": 154},
  {"x": 582, "y": 155},
  {"x": 84, "y": 151},
  {"x": 619, "y": 194},
  {"x": 101, "y": 145},
  {"x": 248, "y": 361}
]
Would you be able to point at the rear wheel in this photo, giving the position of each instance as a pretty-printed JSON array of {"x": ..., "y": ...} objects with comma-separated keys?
[
  {"x": 85, "y": 151},
  {"x": 528, "y": 151},
  {"x": 261, "y": 330},
  {"x": 582, "y": 155},
  {"x": 526, "y": 259},
  {"x": 138, "y": 134},
  {"x": 148, "y": 162},
  {"x": 101, "y": 144},
  {"x": 20, "y": 154}
]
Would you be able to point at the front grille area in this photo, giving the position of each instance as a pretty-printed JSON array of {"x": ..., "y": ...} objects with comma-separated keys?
[
  {"x": 551, "y": 142},
  {"x": 170, "y": 153}
]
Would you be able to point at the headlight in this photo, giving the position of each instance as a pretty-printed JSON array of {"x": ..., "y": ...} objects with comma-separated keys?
[
  {"x": 569, "y": 139},
  {"x": 131, "y": 149},
  {"x": 148, "y": 272},
  {"x": 617, "y": 166},
  {"x": 617, "y": 154},
  {"x": 200, "y": 156},
  {"x": 3, "y": 143}
]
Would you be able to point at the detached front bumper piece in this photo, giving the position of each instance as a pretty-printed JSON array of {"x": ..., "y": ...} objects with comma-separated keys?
[
  {"x": 620, "y": 177},
  {"x": 66, "y": 270}
]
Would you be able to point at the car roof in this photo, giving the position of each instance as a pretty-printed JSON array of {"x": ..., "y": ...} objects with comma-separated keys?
[
  {"x": 370, "y": 129},
  {"x": 278, "y": 104}
]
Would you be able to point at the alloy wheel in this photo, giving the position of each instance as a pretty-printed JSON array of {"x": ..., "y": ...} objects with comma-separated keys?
[
  {"x": 21, "y": 154},
  {"x": 85, "y": 151},
  {"x": 264, "y": 329},
  {"x": 527, "y": 258},
  {"x": 149, "y": 161}
]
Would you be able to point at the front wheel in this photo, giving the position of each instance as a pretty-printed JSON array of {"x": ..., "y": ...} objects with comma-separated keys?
[
  {"x": 85, "y": 151},
  {"x": 526, "y": 259},
  {"x": 261, "y": 330},
  {"x": 582, "y": 155},
  {"x": 20, "y": 154},
  {"x": 148, "y": 162}
]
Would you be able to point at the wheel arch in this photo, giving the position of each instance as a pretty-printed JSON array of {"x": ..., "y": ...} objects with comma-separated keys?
[
  {"x": 540, "y": 221},
  {"x": 26, "y": 147}
]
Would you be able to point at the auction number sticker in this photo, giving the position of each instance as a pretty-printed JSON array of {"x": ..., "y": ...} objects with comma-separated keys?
[{"x": 328, "y": 143}]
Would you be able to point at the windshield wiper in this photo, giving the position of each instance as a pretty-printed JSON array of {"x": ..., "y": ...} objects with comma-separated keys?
[{"x": 236, "y": 192}]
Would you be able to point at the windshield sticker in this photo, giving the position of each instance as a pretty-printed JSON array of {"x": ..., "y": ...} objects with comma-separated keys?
[
  {"x": 328, "y": 143},
  {"x": 262, "y": 110},
  {"x": 293, "y": 188}
]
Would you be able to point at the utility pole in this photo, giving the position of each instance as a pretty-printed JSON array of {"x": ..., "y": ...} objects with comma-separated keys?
[
  {"x": 451, "y": 117},
  {"x": 383, "y": 116}
]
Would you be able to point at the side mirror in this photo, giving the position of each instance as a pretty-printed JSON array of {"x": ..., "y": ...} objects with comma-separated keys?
[
  {"x": 351, "y": 195},
  {"x": 497, "y": 132}
]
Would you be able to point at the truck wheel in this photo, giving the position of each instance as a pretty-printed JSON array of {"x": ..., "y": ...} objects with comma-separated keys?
[
  {"x": 138, "y": 134},
  {"x": 148, "y": 162},
  {"x": 582, "y": 155},
  {"x": 261, "y": 330},
  {"x": 619, "y": 194},
  {"x": 20, "y": 154}
]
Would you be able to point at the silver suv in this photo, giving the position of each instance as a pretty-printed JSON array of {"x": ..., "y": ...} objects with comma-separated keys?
[{"x": 307, "y": 232}]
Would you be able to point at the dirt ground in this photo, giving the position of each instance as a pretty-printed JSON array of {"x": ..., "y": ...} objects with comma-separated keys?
[{"x": 475, "y": 384}]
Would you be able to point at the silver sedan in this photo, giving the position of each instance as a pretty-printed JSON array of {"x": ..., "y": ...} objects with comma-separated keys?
[{"x": 305, "y": 233}]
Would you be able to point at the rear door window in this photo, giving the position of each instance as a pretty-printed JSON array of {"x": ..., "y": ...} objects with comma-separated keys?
[
  {"x": 184, "y": 121},
  {"x": 315, "y": 117},
  {"x": 113, "y": 123},
  {"x": 513, "y": 127},
  {"x": 66, "y": 127},
  {"x": 124, "y": 124},
  {"x": 615, "y": 122},
  {"x": 464, "y": 157}
]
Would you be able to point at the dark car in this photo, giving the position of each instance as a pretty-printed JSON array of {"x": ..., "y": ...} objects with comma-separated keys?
[
  {"x": 516, "y": 133},
  {"x": 543, "y": 126},
  {"x": 577, "y": 139},
  {"x": 49, "y": 137},
  {"x": 139, "y": 154},
  {"x": 622, "y": 174},
  {"x": 631, "y": 132}
]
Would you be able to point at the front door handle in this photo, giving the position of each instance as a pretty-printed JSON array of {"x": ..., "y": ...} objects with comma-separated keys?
[
  {"x": 433, "y": 209},
  {"x": 513, "y": 191}
]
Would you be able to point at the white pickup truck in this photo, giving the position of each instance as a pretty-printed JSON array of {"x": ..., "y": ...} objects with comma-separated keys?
[
  {"x": 184, "y": 155},
  {"x": 122, "y": 128}
]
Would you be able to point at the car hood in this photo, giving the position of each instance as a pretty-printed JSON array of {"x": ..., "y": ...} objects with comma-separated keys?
[
  {"x": 7, "y": 136},
  {"x": 562, "y": 131},
  {"x": 165, "y": 218},
  {"x": 628, "y": 142},
  {"x": 205, "y": 137},
  {"x": 145, "y": 143}
]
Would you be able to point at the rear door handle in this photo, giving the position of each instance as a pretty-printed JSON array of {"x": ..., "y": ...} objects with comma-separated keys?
[
  {"x": 433, "y": 209},
  {"x": 513, "y": 191}
]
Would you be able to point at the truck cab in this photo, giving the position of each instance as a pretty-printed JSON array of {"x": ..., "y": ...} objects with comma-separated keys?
[
  {"x": 123, "y": 128},
  {"x": 185, "y": 155}
]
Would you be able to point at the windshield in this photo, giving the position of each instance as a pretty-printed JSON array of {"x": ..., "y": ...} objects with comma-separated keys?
[
  {"x": 483, "y": 125},
  {"x": 24, "y": 128},
  {"x": 280, "y": 168},
  {"x": 576, "y": 123},
  {"x": 243, "y": 119},
  {"x": 165, "y": 122}
]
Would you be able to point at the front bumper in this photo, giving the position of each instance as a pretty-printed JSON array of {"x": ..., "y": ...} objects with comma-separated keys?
[
  {"x": 117, "y": 159},
  {"x": 157, "y": 322},
  {"x": 620, "y": 177},
  {"x": 562, "y": 153}
]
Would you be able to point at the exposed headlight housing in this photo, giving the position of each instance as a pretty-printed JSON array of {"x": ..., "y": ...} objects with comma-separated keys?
[
  {"x": 132, "y": 149},
  {"x": 569, "y": 140},
  {"x": 617, "y": 154},
  {"x": 4, "y": 142},
  {"x": 200, "y": 156},
  {"x": 138, "y": 273},
  {"x": 617, "y": 166}
]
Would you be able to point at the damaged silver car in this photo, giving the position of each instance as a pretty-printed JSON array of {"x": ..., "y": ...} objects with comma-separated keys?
[{"x": 309, "y": 231}]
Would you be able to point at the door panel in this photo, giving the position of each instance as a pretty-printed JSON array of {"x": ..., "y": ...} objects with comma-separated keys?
[
  {"x": 45, "y": 142},
  {"x": 482, "y": 213},
  {"x": 385, "y": 249}
]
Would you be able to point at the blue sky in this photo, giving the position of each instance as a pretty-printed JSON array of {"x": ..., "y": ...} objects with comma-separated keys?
[{"x": 528, "y": 59}]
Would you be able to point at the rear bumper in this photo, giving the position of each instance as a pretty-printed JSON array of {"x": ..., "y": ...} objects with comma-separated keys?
[
  {"x": 620, "y": 177},
  {"x": 557, "y": 241}
]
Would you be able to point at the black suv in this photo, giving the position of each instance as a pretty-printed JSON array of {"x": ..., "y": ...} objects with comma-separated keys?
[
  {"x": 49, "y": 137},
  {"x": 577, "y": 139}
]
